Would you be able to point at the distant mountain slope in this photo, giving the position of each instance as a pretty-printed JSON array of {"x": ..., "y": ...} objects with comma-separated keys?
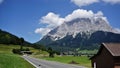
[
  {"x": 84, "y": 33},
  {"x": 8, "y": 38}
]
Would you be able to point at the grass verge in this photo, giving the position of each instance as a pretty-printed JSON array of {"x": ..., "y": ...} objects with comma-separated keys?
[
  {"x": 13, "y": 61},
  {"x": 82, "y": 60}
]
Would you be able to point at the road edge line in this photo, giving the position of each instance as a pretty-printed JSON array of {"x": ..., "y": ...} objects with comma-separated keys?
[{"x": 30, "y": 62}]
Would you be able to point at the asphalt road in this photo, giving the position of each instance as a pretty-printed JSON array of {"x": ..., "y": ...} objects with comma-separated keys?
[{"x": 38, "y": 63}]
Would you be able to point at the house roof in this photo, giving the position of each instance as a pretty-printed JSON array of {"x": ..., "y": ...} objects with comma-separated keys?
[{"x": 113, "y": 48}]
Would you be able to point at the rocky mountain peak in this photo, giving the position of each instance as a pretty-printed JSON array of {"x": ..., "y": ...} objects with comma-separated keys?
[
  {"x": 80, "y": 25},
  {"x": 81, "y": 30}
]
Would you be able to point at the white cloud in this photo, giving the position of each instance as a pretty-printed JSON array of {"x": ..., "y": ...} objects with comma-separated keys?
[
  {"x": 42, "y": 31},
  {"x": 99, "y": 13},
  {"x": 79, "y": 13},
  {"x": 84, "y": 2},
  {"x": 1, "y": 1},
  {"x": 81, "y": 3},
  {"x": 112, "y": 1},
  {"x": 53, "y": 20}
]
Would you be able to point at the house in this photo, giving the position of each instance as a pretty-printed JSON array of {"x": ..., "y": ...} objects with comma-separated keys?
[{"x": 108, "y": 56}]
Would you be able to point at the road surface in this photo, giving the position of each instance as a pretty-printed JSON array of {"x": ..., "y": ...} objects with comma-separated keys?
[{"x": 38, "y": 63}]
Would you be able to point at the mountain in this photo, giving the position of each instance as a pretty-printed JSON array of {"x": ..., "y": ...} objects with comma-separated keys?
[
  {"x": 83, "y": 33},
  {"x": 8, "y": 38}
]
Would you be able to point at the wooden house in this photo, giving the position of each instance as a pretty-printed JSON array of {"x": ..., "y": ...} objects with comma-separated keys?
[{"x": 108, "y": 56}]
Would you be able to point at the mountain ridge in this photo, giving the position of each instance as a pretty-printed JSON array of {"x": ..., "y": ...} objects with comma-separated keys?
[
  {"x": 84, "y": 27},
  {"x": 80, "y": 25}
]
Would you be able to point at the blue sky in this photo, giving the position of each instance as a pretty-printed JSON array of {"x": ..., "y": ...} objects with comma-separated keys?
[{"x": 32, "y": 19}]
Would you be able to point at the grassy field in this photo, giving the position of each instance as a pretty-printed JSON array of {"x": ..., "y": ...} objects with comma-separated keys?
[
  {"x": 8, "y": 48},
  {"x": 13, "y": 61},
  {"x": 10, "y": 60},
  {"x": 82, "y": 60}
]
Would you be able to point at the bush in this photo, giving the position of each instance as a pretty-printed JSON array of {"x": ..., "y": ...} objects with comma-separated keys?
[
  {"x": 16, "y": 51},
  {"x": 19, "y": 51},
  {"x": 57, "y": 52},
  {"x": 51, "y": 52}
]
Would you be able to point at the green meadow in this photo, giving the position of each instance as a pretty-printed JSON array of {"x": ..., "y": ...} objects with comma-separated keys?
[
  {"x": 10, "y": 60},
  {"x": 13, "y": 61},
  {"x": 81, "y": 60}
]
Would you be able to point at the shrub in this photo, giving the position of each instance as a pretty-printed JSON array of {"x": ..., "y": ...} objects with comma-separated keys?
[{"x": 16, "y": 51}]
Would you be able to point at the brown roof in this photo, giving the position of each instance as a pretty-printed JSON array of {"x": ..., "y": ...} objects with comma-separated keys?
[{"x": 113, "y": 48}]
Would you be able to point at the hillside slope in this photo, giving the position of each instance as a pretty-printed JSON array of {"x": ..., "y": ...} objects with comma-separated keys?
[
  {"x": 8, "y": 38},
  {"x": 10, "y": 60}
]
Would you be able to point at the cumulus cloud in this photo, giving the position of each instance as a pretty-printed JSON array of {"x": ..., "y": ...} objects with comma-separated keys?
[
  {"x": 84, "y": 2},
  {"x": 53, "y": 20},
  {"x": 42, "y": 31},
  {"x": 112, "y": 1},
  {"x": 99, "y": 14},
  {"x": 81, "y": 3},
  {"x": 79, "y": 13},
  {"x": 1, "y": 1}
]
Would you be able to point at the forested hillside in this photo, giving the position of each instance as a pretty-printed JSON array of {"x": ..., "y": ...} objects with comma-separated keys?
[{"x": 7, "y": 38}]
